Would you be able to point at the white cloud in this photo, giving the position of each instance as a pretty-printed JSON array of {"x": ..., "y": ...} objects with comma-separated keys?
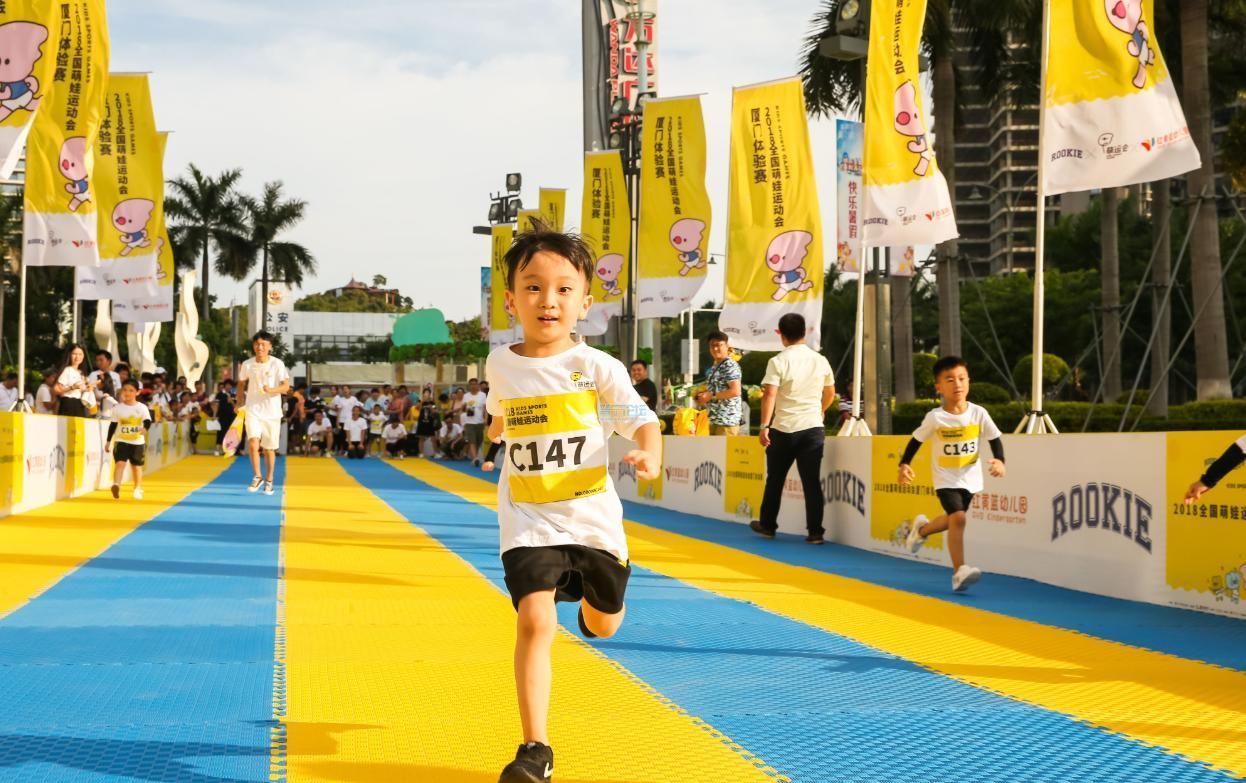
[{"x": 396, "y": 121}]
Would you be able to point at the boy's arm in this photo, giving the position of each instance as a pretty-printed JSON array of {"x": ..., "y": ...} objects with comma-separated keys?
[
  {"x": 647, "y": 457},
  {"x": 910, "y": 451},
  {"x": 497, "y": 425}
]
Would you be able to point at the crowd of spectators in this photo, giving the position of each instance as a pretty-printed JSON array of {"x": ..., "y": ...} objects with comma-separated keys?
[{"x": 337, "y": 420}]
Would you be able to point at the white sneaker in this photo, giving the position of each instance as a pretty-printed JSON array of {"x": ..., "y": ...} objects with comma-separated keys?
[
  {"x": 915, "y": 540},
  {"x": 138, "y": 493},
  {"x": 268, "y": 488},
  {"x": 255, "y": 484},
  {"x": 965, "y": 576}
]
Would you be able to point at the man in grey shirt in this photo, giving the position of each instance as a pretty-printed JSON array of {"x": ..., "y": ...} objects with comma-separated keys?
[{"x": 797, "y": 389}]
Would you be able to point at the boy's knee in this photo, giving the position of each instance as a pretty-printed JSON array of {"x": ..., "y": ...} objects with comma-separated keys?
[
  {"x": 534, "y": 625},
  {"x": 956, "y": 519}
]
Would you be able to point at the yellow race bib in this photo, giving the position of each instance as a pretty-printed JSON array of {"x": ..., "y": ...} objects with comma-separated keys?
[
  {"x": 554, "y": 445},
  {"x": 958, "y": 446}
]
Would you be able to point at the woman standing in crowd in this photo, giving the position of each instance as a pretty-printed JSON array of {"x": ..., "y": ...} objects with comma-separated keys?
[{"x": 71, "y": 383}]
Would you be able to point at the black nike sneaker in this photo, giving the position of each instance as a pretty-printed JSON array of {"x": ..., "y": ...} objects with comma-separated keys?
[{"x": 534, "y": 763}]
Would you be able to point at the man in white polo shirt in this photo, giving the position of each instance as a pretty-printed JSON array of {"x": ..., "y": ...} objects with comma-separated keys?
[
  {"x": 797, "y": 389},
  {"x": 263, "y": 379}
]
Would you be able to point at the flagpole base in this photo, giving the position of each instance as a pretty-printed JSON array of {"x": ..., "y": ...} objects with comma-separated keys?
[
  {"x": 855, "y": 428},
  {"x": 1036, "y": 423}
]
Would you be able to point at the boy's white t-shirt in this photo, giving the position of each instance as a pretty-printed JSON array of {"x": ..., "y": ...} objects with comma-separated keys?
[
  {"x": 956, "y": 442},
  {"x": 130, "y": 420},
  {"x": 273, "y": 372},
  {"x": 355, "y": 428},
  {"x": 315, "y": 430},
  {"x": 394, "y": 433},
  {"x": 474, "y": 408},
  {"x": 555, "y": 486}
]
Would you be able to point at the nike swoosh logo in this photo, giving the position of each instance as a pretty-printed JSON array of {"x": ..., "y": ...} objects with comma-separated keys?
[{"x": 549, "y": 770}]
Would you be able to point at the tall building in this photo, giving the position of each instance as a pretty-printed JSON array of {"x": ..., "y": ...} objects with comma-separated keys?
[{"x": 996, "y": 175}]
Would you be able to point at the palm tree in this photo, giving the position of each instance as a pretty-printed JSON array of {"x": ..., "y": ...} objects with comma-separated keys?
[
  {"x": 1110, "y": 292},
  {"x": 1211, "y": 348},
  {"x": 207, "y": 212},
  {"x": 984, "y": 28},
  {"x": 268, "y": 217},
  {"x": 10, "y": 248}
]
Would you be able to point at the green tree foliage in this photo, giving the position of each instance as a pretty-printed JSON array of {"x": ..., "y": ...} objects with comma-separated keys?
[{"x": 351, "y": 301}]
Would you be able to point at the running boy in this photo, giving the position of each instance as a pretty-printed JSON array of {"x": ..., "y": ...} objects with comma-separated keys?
[
  {"x": 956, "y": 426},
  {"x": 261, "y": 382},
  {"x": 561, "y": 522},
  {"x": 1232, "y": 457},
  {"x": 127, "y": 438}
]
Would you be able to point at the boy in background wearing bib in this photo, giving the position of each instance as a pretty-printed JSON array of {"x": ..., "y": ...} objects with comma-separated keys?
[
  {"x": 127, "y": 438},
  {"x": 956, "y": 428},
  {"x": 556, "y": 402}
]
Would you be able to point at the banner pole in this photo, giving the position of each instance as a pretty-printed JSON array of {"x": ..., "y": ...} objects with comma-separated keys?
[
  {"x": 21, "y": 341},
  {"x": 1036, "y": 423},
  {"x": 856, "y": 425}
]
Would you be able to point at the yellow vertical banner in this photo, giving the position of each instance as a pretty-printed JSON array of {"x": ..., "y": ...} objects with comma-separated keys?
[
  {"x": 60, "y": 223},
  {"x": 157, "y": 306},
  {"x": 675, "y": 213},
  {"x": 1207, "y": 539},
  {"x": 774, "y": 227},
  {"x": 503, "y": 327},
  {"x": 905, "y": 196},
  {"x": 554, "y": 207},
  {"x": 606, "y": 224},
  {"x": 526, "y": 220},
  {"x": 129, "y": 193},
  {"x": 746, "y": 477},
  {"x": 1111, "y": 114},
  {"x": 26, "y": 71}
]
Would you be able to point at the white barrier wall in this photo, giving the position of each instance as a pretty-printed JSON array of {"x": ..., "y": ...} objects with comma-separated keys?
[
  {"x": 47, "y": 458},
  {"x": 1099, "y": 513}
]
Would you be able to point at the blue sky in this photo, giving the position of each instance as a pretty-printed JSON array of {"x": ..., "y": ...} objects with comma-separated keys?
[{"x": 395, "y": 119}]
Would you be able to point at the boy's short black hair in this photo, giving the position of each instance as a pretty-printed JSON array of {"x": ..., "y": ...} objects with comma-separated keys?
[
  {"x": 10, "y": 376},
  {"x": 133, "y": 384},
  {"x": 641, "y": 362},
  {"x": 263, "y": 335},
  {"x": 104, "y": 353},
  {"x": 792, "y": 326},
  {"x": 544, "y": 239},
  {"x": 717, "y": 336},
  {"x": 948, "y": 363}
]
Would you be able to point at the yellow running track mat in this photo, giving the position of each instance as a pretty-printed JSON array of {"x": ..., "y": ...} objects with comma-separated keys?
[
  {"x": 398, "y": 663},
  {"x": 1190, "y": 708},
  {"x": 39, "y": 548}
]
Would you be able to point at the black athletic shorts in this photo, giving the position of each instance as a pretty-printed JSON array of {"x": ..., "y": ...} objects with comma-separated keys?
[
  {"x": 395, "y": 447},
  {"x": 133, "y": 453},
  {"x": 954, "y": 500},
  {"x": 575, "y": 572}
]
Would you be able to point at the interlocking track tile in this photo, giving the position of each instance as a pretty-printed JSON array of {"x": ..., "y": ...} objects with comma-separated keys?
[
  {"x": 153, "y": 661},
  {"x": 129, "y": 753},
  {"x": 38, "y": 548},
  {"x": 133, "y": 645},
  {"x": 765, "y": 681},
  {"x": 416, "y": 682},
  {"x": 1194, "y": 635}
]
